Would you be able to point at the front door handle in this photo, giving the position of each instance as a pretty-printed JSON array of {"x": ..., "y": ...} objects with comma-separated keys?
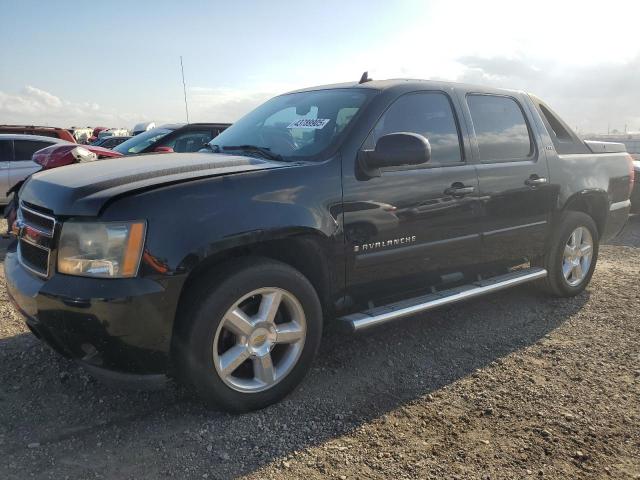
[
  {"x": 459, "y": 190},
  {"x": 535, "y": 181}
]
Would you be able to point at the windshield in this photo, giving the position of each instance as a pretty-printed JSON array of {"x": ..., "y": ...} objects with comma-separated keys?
[
  {"x": 296, "y": 126},
  {"x": 140, "y": 142}
]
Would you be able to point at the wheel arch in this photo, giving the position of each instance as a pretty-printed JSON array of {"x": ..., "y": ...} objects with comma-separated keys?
[
  {"x": 593, "y": 203},
  {"x": 305, "y": 250}
]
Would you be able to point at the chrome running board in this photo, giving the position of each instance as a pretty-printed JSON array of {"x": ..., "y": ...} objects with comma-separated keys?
[{"x": 357, "y": 322}]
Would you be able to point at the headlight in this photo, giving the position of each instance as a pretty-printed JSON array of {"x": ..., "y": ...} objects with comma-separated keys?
[{"x": 110, "y": 250}]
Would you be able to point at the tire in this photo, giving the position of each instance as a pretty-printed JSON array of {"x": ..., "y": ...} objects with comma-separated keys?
[
  {"x": 11, "y": 211},
  {"x": 557, "y": 283},
  {"x": 215, "y": 338}
]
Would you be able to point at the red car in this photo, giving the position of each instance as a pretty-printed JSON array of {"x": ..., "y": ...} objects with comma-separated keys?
[
  {"x": 96, "y": 132},
  {"x": 53, "y": 132},
  {"x": 66, "y": 154},
  {"x": 56, "y": 156}
]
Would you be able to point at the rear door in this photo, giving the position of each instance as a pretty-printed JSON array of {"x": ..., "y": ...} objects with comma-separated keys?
[
  {"x": 22, "y": 166},
  {"x": 6, "y": 156},
  {"x": 513, "y": 177},
  {"x": 409, "y": 226}
]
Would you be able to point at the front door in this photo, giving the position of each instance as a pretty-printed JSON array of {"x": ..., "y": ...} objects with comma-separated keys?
[
  {"x": 516, "y": 195},
  {"x": 411, "y": 225}
]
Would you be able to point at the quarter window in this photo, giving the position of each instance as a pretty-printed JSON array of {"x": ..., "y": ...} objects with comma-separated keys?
[
  {"x": 428, "y": 114},
  {"x": 500, "y": 128},
  {"x": 564, "y": 140}
]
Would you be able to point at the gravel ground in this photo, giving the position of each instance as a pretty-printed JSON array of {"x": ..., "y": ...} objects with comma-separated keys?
[{"x": 516, "y": 385}]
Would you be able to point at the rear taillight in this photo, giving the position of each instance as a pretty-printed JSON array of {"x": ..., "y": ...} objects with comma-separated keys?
[
  {"x": 40, "y": 158},
  {"x": 52, "y": 157}
]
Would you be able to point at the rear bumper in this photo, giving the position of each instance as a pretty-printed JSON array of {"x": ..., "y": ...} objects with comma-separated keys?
[
  {"x": 121, "y": 325},
  {"x": 616, "y": 220}
]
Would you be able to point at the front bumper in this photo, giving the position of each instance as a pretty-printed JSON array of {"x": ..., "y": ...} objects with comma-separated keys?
[{"x": 120, "y": 325}]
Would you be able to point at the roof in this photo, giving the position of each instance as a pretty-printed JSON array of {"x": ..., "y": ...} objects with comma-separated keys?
[
  {"x": 25, "y": 136},
  {"x": 32, "y": 126},
  {"x": 406, "y": 84},
  {"x": 206, "y": 124}
]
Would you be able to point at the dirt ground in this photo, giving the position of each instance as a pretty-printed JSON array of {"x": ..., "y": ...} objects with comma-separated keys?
[{"x": 515, "y": 385}]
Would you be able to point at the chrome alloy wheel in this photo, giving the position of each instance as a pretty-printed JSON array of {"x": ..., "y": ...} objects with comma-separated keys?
[
  {"x": 259, "y": 340},
  {"x": 578, "y": 253}
]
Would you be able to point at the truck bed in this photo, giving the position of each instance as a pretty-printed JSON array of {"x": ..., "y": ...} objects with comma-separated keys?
[{"x": 597, "y": 146}]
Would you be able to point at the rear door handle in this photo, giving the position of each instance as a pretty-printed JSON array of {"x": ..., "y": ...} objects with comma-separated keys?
[
  {"x": 459, "y": 190},
  {"x": 535, "y": 181}
]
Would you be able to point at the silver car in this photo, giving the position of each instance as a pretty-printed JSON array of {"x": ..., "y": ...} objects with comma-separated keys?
[{"x": 16, "y": 151}]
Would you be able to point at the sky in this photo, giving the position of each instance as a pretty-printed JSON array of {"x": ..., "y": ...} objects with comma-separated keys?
[{"x": 117, "y": 63}]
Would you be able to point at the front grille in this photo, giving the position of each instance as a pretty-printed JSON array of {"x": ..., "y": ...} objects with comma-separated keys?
[
  {"x": 37, "y": 220},
  {"x": 36, "y": 258},
  {"x": 35, "y": 237}
]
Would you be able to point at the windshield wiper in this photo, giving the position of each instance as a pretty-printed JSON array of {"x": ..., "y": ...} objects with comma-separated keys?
[{"x": 264, "y": 151}]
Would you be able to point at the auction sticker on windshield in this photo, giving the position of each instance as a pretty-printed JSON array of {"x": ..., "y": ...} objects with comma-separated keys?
[{"x": 310, "y": 123}]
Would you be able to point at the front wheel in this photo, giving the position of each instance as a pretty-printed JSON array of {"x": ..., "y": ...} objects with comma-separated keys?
[
  {"x": 252, "y": 335},
  {"x": 572, "y": 255}
]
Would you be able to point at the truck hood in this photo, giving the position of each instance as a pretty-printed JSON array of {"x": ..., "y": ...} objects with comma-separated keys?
[{"x": 84, "y": 189}]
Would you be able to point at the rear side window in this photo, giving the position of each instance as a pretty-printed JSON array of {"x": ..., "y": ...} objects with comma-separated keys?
[
  {"x": 428, "y": 114},
  {"x": 500, "y": 127},
  {"x": 6, "y": 151},
  {"x": 24, "y": 149}
]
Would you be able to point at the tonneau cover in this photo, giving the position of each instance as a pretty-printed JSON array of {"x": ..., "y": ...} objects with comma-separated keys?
[{"x": 605, "y": 147}]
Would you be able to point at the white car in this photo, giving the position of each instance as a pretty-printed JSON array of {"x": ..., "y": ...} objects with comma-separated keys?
[
  {"x": 82, "y": 135},
  {"x": 15, "y": 159},
  {"x": 114, "y": 132}
]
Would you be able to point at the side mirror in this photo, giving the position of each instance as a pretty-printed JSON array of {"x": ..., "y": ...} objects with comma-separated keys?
[
  {"x": 396, "y": 150},
  {"x": 163, "y": 150}
]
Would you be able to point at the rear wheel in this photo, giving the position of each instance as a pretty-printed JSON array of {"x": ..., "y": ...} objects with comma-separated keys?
[
  {"x": 572, "y": 255},
  {"x": 251, "y": 336}
]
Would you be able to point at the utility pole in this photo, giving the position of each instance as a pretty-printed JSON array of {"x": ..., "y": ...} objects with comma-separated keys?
[{"x": 184, "y": 90}]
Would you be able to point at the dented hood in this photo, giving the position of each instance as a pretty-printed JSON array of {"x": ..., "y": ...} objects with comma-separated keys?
[{"x": 83, "y": 189}]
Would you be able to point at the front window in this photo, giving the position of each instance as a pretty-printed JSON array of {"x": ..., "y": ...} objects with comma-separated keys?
[
  {"x": 429, "y": 114},
  {"x": 296, "y": 126},
  {"x": 140, "y": 142}
]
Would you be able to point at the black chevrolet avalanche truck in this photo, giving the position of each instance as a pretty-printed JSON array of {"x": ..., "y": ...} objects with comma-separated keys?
[{"x": 363, "y": 202}]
